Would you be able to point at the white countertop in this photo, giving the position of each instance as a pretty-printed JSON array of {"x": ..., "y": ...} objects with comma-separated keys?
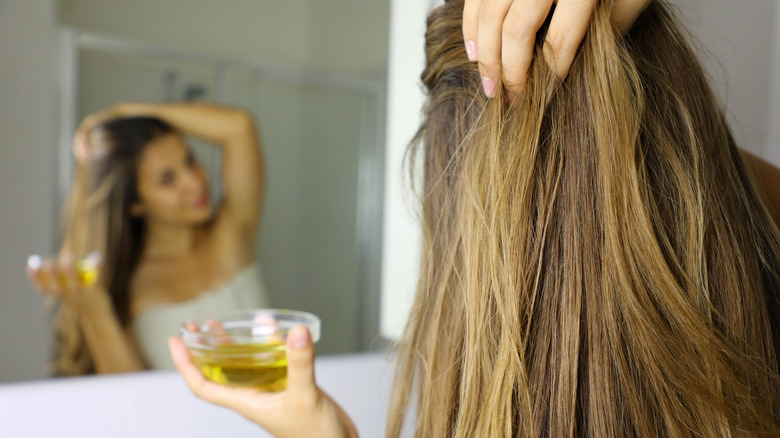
[{"x": 159, "y": 404}]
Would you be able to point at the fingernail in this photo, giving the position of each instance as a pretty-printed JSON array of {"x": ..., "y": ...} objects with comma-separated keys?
[
  {"x": 66, "y": 259},
  {"x": 34, "y": 262},
  {"x": 488, "y": 85},
  {"x": 299, "y": 337},
  {"x": 175, "y": 352},
  {"x": 471, "y": 50}
]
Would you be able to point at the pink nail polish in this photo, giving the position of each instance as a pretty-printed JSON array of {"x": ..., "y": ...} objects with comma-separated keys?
[
  {"x": 489, "y": 86},
  {"x": 471, "y": 50}
]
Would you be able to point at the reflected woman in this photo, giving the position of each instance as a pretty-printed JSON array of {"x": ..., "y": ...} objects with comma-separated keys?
[{"x": 142, "y": 200}]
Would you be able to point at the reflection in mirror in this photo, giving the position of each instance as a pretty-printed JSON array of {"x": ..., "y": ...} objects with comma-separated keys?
[
  {"x": 140, "y": 198},
  {"x": 318, "y": 118}
]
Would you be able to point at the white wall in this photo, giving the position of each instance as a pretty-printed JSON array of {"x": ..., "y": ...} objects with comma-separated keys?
[
  {"x": 773, "y": 147},
  {"x": 405, "y": 97},
  {"x": 743, "y": 41},
  {"x": 27, "y": 170},
  {"x": 739, "y": 42}
]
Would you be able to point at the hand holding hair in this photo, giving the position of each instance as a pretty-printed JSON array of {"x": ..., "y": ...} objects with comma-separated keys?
[
  {"x": 82, "y": 144},
  {"x": 500, "y": 35}
]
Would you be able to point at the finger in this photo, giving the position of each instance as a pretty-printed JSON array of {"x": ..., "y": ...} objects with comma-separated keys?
[
  {"x": 625, "y": 13},
  {"x": 192, "y": 326},
  {"x": 67, "y": 272},
  {"x": 266, "y": 322},
  {"x": 220, "y": 335},
  {"x": 49, "y": 278},
  {"x": 34, "y": 263},
  {"x": 81, "y": 146},
  {"x": 491, "y": 19},
  {"x": 32, "y": 275},
  {"x": 193, "y": 330},
  {"x": 301, "y": 385},
  {"x": 91, "y": 121},
  {"x": 567, "y": 30},
  {"x": 266, "y": 325},
  {"x": 470, "y": 26},
  {"x": 519, "y": 30}
]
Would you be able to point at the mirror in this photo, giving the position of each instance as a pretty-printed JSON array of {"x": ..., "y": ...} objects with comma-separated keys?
[{"x": 317, "y": 94}]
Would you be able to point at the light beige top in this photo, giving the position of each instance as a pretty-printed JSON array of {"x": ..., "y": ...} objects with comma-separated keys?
[{"x": 153, "y": 326}]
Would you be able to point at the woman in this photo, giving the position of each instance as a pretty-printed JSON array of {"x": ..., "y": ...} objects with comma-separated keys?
[
  {"x": 142, "y": 200},
  {"x": 597, "y": 260}
]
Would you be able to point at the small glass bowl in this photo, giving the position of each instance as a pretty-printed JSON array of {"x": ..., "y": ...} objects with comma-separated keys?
[{"x": 246, "y": 348}]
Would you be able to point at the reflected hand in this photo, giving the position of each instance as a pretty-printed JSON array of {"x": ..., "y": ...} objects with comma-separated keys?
[
  {"x": 67, "y": 279},
  {"x": 82, "y": 143},
  {"x": 302, "y": 409},
  {"x": 500, "y": 35}
]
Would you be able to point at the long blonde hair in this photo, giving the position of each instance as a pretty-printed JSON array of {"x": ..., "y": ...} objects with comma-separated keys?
[{"x": 597, "y": 260}]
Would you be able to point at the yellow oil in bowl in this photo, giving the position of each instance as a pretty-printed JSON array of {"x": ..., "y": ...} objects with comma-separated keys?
[
  {"x": 245, "y": 348},
  {"x": 259, "y": 366},
  {"x": 86, "y": 273}
]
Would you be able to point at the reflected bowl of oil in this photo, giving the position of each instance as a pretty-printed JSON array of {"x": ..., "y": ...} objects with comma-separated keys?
[
  {"x": 246, "y": 348},
  {"x": 86, "y": 270}
]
